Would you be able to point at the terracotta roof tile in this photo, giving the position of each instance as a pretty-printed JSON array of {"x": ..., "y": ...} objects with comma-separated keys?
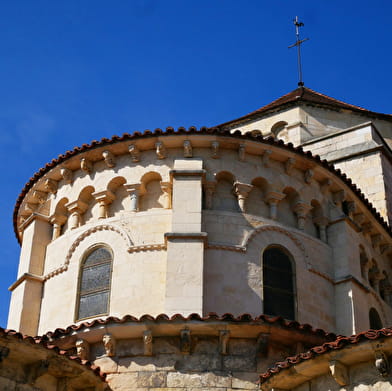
[
  {"x": 339, "y": 343},
  {"x": 43, "y": 341},
  {"x": 193, "y": 131},
  {"x": 211, "y": 317},
  {"x": 305, "y": 95}
]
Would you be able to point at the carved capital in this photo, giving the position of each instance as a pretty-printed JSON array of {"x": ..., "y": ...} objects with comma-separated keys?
[
  {"x": 51, "y": 185},
  {"x": 339, "y": 372},
  {"x": 109, "y": 343},
  {"x": 215, "y": 149},
  {"x": 76, "y": 209},
  {"x": 289, "y": 165},
  {"x": 242, "y": 190},
  {"x": 135, "y": 153},
  {"x": 224, "y": 337},
  {"x": 135, "y": 190},
  {"x": 57, "y": 220},
  {"x": 241, "y": 152},
  {"x": 322, "y": 223},
  {"x": 187, "y": 149},
  {"x": 185, "y": 341},
  {"x": 301, "y": 209},
  {"x": 82, "y": 349},
  {"x": 104, "y": 199},
  {"x": 160, "y": 150},
  {"x": 109, "y": 158},
  {"x": 272, "y": 198},
  {"x": 86, "y": 165},
  {"x": 66, "y": 174},
  {"x": 147, "y": 342}
]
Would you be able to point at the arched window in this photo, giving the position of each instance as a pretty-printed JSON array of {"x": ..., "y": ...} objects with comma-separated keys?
[
  {"x": 278, "y": 283},
  {"x": 374, "y": 319},
  {"x": 94, "y": 283}
]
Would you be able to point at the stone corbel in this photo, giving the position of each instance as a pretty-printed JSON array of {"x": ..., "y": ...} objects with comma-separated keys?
[
  {"x": 187, "y": 149},
  {"x": 104, "y": 199},
  {"x": 351, "y": 208},
  {"x": 4, "y": 352},
  {"x": 338, "y": 197},
  {"x": 86, "y": 165},
  {"x": 301, "y": 209},
  {"x": 66, "y": 174},
  {"x": 167, "y": 191},
  {"x": 376, "y": 240},
  {"x": 322, "y": 223},
  {"x": 135, "y": 191},
  {"x": 51, "y": 185},
  {"x": 385, "y": 248},
  {"x": 185, "y": 341},
  {"x": 160, "y": 150},
  {"x": 224, "y": 337},
  {"x": 265, "y": 157},
  {"x": 215, "y": 149},
  {"x": 367, "y": 228},
  {"x": 109, "y": 343},
  {"x": 135, "y": 153},
  {"x": 82, "y": 349},
  {"x": 57, "y": 221},
  {"x": 147, "y": 342},
  {"x": 359, "y": 218},
  {"x": 241, "y": 152},
  {"x": 76, "y": 210},
  {"x": 326, "y": 185},
  {"x": 339, "y": 372},
  {"x": 242, "y": 190},
  {"x": 36, "y": 370},
  {"x": 209, "y": 188},
  {"x": 308, "y": 176},
  {"x": 109, "y": 158},
  {"x": 40, "y": 196},
  {"x": 272, "y": 198},
  {"x": 30, "y": 207},
  {"x": 289, "y": 165},
  {"x": 262, "y": 344},
  {"x": 382, "y": 363}
]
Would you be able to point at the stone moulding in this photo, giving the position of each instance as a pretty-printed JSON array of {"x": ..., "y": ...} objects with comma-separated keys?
[
  {"x": 80, "y": 238},
  {"x": 147, "y": 247}
]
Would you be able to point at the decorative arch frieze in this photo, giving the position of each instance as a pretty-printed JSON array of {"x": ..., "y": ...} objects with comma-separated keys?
[{"x": 84, "y": 235}]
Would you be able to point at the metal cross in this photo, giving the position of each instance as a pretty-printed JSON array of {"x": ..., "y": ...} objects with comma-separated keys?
[{"x": 298, "y": 44}]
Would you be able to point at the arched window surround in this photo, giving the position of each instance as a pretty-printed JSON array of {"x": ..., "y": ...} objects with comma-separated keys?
[
  {"x": 292, "y": 272},
  {"x": 375, "y": 321},
  {"x": 105, "y": 289}
]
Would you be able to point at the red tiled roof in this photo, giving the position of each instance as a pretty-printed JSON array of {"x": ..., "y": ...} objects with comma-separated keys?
[
  {"x": 43, "y": 341},
  {"x": 193, "y": 131},
  {"x": 211, "y": 317},
  {"x": 339, "y": 343},
  {"x": 305, "y": 95}
]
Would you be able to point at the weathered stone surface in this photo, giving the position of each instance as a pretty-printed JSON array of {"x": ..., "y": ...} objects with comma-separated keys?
[
  {"x": 245, "y": 380},
  {"x": 152, "y": 379},
  {"x": 199, "y": 363},
  {"x": 107, "y": 364},
  {"x": 123, "y": 381},
  {"x": 147, "y": 364},
  {"x": 239, "y": 363}
]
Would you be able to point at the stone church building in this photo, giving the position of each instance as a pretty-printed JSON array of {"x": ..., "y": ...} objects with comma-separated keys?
[{"x": 197, "y": 259}]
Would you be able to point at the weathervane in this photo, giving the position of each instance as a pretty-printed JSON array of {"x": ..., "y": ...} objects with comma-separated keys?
[{"x": 298, "y": 44}]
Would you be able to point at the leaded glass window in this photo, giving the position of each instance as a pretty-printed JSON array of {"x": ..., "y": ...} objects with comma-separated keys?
[
  {"x": 278, "y": 283},
  {"x": 94, "y": 283}
]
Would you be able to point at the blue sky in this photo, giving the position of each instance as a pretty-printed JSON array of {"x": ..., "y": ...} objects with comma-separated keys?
[{"x": 76, "y": 71}]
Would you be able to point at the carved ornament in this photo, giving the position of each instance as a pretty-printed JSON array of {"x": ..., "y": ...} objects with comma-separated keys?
[
  {"x": 265, "y": 157},
  {"x": 215, "y": 149},
  {"x": 66, "y": 174},
  {"x": 187, "y": 149},
  {"x": 339, "y": 372},
  {"x": 86, "y": 165},
  {"x": 185, "y": 341},
  {"x": 109, "y": 344},
  {"x": 135, "y": 153},
  {"x": 289, "y": 165},
  {"x": 241, "y": 153},
  {"x": 147, "y": 342},
  {"x": 109, "y": 158},
  {"x": 160, "y": 150},
  {"x": 51, "y": 185},
  {"x": 82, "y": 349},
  {"x": 224, "y": 337}
]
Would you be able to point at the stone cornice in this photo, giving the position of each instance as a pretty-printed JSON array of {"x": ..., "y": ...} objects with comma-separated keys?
[{"x": 25, "y": 277}]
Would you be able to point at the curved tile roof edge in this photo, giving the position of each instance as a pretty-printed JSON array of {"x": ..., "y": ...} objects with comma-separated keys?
[
  {"x": 339, "y": 343},
  {"x": 211, "y": 317},
  {"x": 191, "y": 131},
  {"x": 42, "y": 341}
]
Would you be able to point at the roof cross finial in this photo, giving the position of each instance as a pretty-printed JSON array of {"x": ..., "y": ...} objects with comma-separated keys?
[{"x": 298, "y": 42}]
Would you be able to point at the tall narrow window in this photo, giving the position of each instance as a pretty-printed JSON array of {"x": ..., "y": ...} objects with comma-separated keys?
[
  {"x": 94, "y": 283},
  {"x": 278, "y": 283},
  {"x": 374, "y": 319}
]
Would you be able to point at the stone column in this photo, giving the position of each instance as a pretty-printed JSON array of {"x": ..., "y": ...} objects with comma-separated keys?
[
  {"x": 242, "y": 190},
  {"x": 301, "y": 209},
  {"x": 104, "y": 199},
  {"x": 57, "y": 221},
  {"x": 76, "y": 210},
  {"x": 272, "y": 198},
  {"x": 209, "y": 188},
  {"x": 135, "y": 190},
  {"x": 167, "y": 191},
  {"x": 322, "y": 223}
]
